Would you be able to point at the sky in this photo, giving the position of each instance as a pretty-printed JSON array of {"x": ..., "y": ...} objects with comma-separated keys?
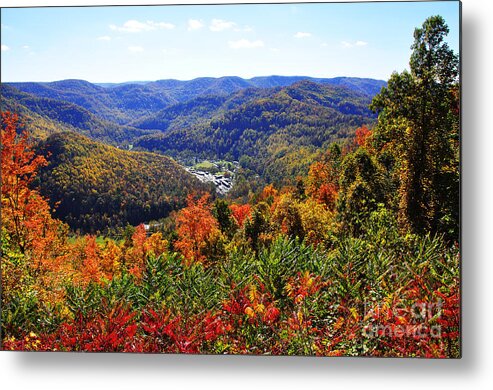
[{"x": 144, "y": 43}]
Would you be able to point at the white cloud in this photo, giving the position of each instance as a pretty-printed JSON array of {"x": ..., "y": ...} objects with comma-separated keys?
[
  {"x": 135, "y": 49},
  {"x": 134, "y": 26},
  {"x": 5, "y": 48},
  {"x": 244, "y": 29},
  {"x": 300, "y": 34},
  {"x": 161, "y": 25},
  {"x": 104, "y": 38},
  {"x": 324, "y": 44},
  {"x": 195, "y": 24},
  {"x": 245, "y": 44},
  {"x": 26, "y": 47},
  {"x": 347, "y": 44},
  {"x": 221, "y": 25}
]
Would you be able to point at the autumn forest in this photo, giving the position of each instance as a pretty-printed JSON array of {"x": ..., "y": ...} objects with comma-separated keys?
[{"x": 274, "y": 215}]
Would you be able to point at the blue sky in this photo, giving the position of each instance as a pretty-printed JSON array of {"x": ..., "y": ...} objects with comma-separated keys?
[{"x": 117, "y": 44}]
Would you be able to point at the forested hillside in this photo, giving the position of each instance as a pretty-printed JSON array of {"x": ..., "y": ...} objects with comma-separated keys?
[
  {"x": 39, "y": 126},
  {"x": 275, "y": 135},
  {"x": 199, "y": 110},
  {"x": 119, "y": 105},
  {"x": 59, "y": 115},
  {"x": 94, "y": 186},
  {"x": 124, "y": 103}
]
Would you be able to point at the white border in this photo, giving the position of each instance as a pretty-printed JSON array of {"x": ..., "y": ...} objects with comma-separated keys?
[{"x": 474, "y": 371}]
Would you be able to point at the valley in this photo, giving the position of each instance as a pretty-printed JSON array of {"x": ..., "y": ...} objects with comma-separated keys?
[
  {"x": 220, "y": 173},
  {"x": 232, "y": 135}
]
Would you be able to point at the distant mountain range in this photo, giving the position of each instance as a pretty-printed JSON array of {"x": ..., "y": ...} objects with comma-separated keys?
[
  {"x": 274, "y": 126},
  {"x": 46, "y": 116},
  {"x": 126, "y": 102}
]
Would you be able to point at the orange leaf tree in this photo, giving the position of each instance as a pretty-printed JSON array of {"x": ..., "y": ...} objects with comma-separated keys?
[
  {"x": 136, "y": 255},
  {"x": 27, "y": 225},
  {"x": 196, "y": 228},
  {"x": 363, "y": 134},
  {"x": 240, "y": 212},
  {"x": 323, "y": 178}
]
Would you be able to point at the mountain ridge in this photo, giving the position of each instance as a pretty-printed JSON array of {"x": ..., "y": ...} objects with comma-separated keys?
[
  {"x": 126, "y": 102},
  {"x": 65, "y": 116},
  {"x": 276, "y": 135}
]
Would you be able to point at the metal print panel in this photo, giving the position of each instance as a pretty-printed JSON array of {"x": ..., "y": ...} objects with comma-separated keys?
[{"x": 279, "y": 179}]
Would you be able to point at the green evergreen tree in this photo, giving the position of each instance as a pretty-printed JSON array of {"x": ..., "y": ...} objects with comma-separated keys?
[{"x": 222, "y": 213}]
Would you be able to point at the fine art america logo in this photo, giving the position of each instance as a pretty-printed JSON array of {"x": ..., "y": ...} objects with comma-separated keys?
[{"x": 417, "y": 321}]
